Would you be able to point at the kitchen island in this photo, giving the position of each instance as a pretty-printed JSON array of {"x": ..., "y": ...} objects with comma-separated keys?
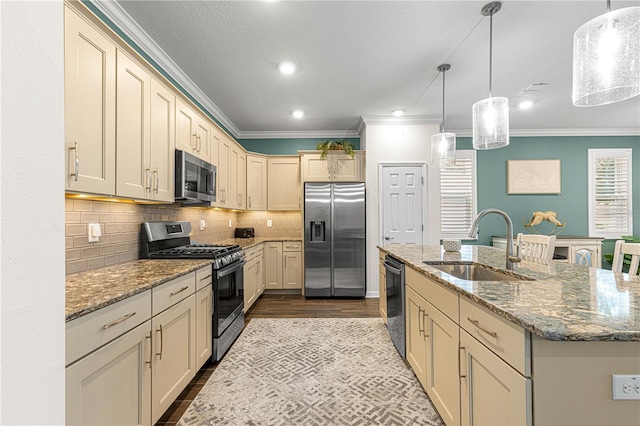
[{"x": 558, "y": 334}]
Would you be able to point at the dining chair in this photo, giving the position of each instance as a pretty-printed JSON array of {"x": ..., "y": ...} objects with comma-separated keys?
[
  {"x": 622, "y": 248},
  {"x": 533, "y": 246}
]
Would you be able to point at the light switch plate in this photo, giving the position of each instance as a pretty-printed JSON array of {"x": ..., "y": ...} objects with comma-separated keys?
[
  {"x": 626, "y": 386},
  {"x": 269, "y": 223},
  {"x": 229, "y": 223}
]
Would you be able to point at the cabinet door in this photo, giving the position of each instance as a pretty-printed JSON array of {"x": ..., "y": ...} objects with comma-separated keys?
[
  {"x": 586, "y": 255},
  {"x": 224, "y": 155},
  {"x": 204, "y": 325},
  {"x": 416, "y": 346},
  {"x": 256, "y": 183},
  {"x": 292, "y": 270},
  {"x": 173, "y": 354},
  {"x": 260, "y": 281},
  {"x": 315, "y": 169},
  {"x": 162, "y": 143},
  {"x": 273, "y": 265},
  {"x": 203, "y": 139},
  {"x": 346, "y": 169},
  {"x": 492, "y": 393},
  {"x": 241, "y": 173},
  {"x": 443, "y": 377},
  {"x": 283, "y": 181},
  {"x": 89, "y": 108},
  {"x": 383, "y": 291},
  {"x": 133, "y": 178},
  {"x": 112, "y": 386},
  {"x": 186, "y": 119},
  {"x": 250, "y": 274}
]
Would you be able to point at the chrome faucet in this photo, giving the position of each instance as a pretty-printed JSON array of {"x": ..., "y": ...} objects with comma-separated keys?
[{"x": 473, "y": 233}]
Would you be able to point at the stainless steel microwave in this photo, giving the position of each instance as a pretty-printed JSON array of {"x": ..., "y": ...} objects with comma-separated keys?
[{"x": 195, "y": 180}]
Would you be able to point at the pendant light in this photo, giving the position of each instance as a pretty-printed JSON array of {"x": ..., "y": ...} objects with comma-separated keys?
[
  {"x": 443, "y": 144},
  {"x": 606, "y": 58},
  {"x": 491, "y": 115}
]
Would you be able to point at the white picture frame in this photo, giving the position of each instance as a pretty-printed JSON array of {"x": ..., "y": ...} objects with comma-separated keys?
[{"x": 533, "y": 177}]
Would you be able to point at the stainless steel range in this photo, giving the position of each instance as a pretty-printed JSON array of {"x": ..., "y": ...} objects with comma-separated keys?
[{"x": 170, "y": 240}]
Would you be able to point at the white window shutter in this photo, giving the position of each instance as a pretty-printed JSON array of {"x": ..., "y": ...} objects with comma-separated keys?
[
  {"x": 458, "y": 196},
  {"x": 610, "y": 193}
]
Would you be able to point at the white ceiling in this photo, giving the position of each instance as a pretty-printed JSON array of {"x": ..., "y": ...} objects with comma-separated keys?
[{"x": 366, "y": 58}]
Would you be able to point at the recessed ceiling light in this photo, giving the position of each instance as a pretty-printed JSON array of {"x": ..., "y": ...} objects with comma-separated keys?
[
  {"x": 287, "y": 68},
  {"x": 397, "y": 112},
  {"x": 525, "y": 104},
  {"x": 298, "y": 114}
]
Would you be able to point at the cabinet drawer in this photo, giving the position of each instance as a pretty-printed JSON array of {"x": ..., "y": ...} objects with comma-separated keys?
[
  {"x": 87, "y": 333},
  {"x": 250, "y": 253},
  {"x": 292, "y": 246},
  {"x": 442, "y": 298},
  {"x": 204, "y": 277},
  {"x": 170, "y": 293},
  {"x": 510, "y": 342}
]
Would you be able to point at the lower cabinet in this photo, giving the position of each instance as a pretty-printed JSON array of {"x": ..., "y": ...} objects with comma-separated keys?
[
  {"x": 204, "y": 325},
  {"x": 283, "y": 265},
  {"x": 492, "y": 392},
  {"x": 113, "y": 384},
  {"x": 173, "y": 354},
  {"x": 254, "y": 283}
]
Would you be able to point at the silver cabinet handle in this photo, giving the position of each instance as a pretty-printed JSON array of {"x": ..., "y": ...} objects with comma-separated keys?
[
  {"x": 299, "y": 205},
  {"x": 425, "y": 324},
  {"x": 76, "y": 172},
  {"x": 148, "y": 337},
  {"x": 161, "y": 342},
  {"x": 195, "y": 140},
  {"x": 205, "y": 278},
  {"x": 179, "y": 291},
  {"x": 199, "y": 144},
  {"x": 463, "y": 361},
  {"x": 148, "y": 174},
  {"x": 157, "y": 179},
  {"x": 420, "y": 313},
  {"x": 118, "y": 321},
  {"x": 481, "y": 328},
  {"x": 249, "y": 201}
]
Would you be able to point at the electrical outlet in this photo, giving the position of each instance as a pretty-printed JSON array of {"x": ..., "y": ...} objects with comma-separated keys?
[
  {"x": 626, "y": 386},
  {"x": 230, "y": 223},
  {"x": 203, "y": 224},
  {"x": 269, "y": 223}
]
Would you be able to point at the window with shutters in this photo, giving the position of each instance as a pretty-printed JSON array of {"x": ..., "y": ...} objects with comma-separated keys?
[
  {"x": 610, "y": 209},
  {"x": 458, "y": 195}
]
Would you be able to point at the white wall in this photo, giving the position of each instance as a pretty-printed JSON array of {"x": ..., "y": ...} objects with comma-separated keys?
[
  {"x": 391, "y": 143},
  {"x": 32, "y": 214}
]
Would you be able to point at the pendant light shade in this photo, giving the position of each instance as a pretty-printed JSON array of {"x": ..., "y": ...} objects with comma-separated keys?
[
  {"x": 491, "y": 115},
  {"x": 606, "y": 58},
  {"x": 443, "y": 144}
]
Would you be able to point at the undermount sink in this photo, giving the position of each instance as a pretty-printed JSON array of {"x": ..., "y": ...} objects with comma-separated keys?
[{"x": 475, "y": 272}]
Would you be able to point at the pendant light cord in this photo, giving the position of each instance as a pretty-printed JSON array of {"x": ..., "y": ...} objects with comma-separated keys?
[
  {"x": 490, "y": 50},
  {"x": 608, "y": 6},
  {"x": 443, "y": 74}
]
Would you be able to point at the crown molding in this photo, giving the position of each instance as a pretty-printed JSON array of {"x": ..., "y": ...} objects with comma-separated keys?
[
  {"x": 410, "y": 120},
  {"x": 562, "y": 132},
  {"x": 119, "y": 17},
  {"x": 298, "y": 134}
]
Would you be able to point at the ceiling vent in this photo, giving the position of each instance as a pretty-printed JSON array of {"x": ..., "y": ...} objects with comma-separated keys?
[{"x": 531, "y": 88}]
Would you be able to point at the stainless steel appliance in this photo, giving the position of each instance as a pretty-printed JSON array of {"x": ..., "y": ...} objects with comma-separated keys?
[
  {"x": 170, "y": 240},
  {"x": 395, "y": 302},
  {"x": 334, "y": 247},
  {"x": 195, "y": 180}
]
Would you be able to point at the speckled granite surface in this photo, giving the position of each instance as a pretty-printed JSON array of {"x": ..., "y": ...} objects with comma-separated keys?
[
  {"x": 94, "y": 289},
  {"x": 565, "y": 302}
]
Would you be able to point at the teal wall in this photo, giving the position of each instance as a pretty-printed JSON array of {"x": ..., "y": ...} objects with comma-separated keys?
[
  {"x": 570, "y": 204},
  {"x": 287, "y": 146}
]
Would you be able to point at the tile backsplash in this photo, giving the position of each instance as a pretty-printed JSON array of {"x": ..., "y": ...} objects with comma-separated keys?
[{"x": 120, "y": 224}]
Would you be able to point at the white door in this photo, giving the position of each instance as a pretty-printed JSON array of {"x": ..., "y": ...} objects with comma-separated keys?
[{"x": 402, "y": 218}]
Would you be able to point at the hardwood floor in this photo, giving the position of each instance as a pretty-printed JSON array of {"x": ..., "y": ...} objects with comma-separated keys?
[{"x": 276, "y": 306}]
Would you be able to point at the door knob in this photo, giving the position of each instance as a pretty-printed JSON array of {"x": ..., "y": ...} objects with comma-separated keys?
[{"x": 387, "y": 238}]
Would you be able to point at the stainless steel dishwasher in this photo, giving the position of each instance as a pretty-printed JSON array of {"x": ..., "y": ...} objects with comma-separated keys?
[{"x": 395, "y": 302}]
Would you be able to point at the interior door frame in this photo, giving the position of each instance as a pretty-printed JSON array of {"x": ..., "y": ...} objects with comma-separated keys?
[{"x": 425, "y": 217}]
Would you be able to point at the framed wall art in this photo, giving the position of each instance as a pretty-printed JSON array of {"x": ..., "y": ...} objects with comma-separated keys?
[{"x": 533, "y": 177}]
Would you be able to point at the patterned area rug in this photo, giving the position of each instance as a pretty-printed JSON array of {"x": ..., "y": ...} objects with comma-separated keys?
[{"x": 312, "y": 371}]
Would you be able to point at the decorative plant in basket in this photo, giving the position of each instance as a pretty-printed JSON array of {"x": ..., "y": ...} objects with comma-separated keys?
[{"x": 333, "y": 145}]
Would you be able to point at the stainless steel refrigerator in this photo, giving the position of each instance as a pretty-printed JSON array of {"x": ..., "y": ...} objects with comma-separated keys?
[{"x": 334, "y": 247}]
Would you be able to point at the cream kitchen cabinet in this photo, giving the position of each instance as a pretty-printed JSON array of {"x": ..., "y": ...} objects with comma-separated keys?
[
  {"x": 284, "y": 188},
  {"x": 581, "y": 251},
  {"x": 283, "y": 269},
  {"x": 89, "y": 107},
  {"x": 254, "y": 283},
  {"x": 231, "y": 174},
  {"x": 193, "y": 132},
  {"x": 204, "y": 315},
  {"x": 335, "y": 167},
  {"x": 256, "y": 182},
  {"x": 144, "y": 134},
  {"x": 222, "y": 184},
  {"x": 238, "y": 177}
]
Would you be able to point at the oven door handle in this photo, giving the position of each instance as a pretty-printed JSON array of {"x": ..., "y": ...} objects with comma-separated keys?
[{"x": 231, "y": 269}]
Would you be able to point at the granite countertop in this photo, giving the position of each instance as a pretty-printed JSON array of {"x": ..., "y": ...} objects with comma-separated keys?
[
  {"x": 564, "y": 302},
  {"x": 94, "y": 289}
]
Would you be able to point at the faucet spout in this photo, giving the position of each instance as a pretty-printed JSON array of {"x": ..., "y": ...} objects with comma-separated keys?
[{"x": 511, "y": 259}]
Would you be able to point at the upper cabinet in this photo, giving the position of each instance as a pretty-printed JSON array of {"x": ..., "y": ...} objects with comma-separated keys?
[
  {"x": 256, "y": 182},
  {"x": 335, "y": 167},
  {"x": 231, "y": 174},
  {"x": 144, "y": 134},
  {"x": 284, "y": 188},
  {"x": 89, "y": 108},
  {"x": 193, "y": 132}
]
